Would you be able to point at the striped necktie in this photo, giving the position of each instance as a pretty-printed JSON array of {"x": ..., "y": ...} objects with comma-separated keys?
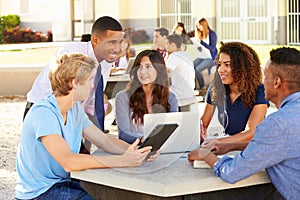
[{"x": 99, "y": 100}]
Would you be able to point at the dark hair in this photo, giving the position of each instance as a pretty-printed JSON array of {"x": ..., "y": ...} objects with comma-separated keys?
[
  {"x": 105, "y": 23},
  {"x": 177, "y": 39},
  {"x": 285, "y": 63},
  {"x": 246, "y": 73},
  {"x": 160, "y": 93},
  {"x": 85, "y": 37},
  {"x": 180, "y": 24},
  {"x": 162, "y": 31}
]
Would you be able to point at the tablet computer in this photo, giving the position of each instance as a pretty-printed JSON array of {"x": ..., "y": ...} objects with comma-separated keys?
[{"x": 159, "y": 136}]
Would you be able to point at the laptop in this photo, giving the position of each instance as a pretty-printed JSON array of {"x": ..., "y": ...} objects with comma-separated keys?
[
  {"x": 185, "y": 138},
  {"x": 130, "y": 63},
  {"x": 127, "y": 70}
]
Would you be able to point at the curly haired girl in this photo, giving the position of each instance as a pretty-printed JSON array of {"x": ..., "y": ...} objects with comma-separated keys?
[{"x": 237, "y": 92}]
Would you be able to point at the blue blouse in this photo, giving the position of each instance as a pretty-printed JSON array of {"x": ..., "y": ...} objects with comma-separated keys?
[
  {"x": 212, "y": 46},
  {"x": 235, "y": 119}
]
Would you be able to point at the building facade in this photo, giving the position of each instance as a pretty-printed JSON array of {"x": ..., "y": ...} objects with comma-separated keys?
[{"x": 251, "y": 21}]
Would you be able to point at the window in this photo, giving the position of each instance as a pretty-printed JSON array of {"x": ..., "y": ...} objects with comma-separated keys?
[
  {"x": 244, "y": 20},
  {"x": 173, "y": 11},
  {"x": 293, "y": 21}
]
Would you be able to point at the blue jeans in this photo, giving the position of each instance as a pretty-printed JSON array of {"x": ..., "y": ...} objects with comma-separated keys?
[
  {"x": 200, "y": 65},
  {"x": 64, "y": 191}
]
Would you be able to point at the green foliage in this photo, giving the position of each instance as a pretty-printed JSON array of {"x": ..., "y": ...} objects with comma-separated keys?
[
  {"x": 10, "y": 32},
  {"x": 8, "y": 23},
  {"x": 11, "y": 21},
  {"x": 1, "y": 30}
]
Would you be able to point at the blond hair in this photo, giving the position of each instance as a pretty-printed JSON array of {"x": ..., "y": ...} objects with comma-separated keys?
[
  {"x": 202, "y": 34},
  {"x": 69, "y": 67}
]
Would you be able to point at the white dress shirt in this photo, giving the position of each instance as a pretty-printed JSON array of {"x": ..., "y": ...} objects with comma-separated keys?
[{"x": 42, "y": 88}]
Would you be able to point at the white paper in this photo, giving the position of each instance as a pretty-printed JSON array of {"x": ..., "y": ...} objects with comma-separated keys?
[
  {"x": 202, "y": 164},
  {"x": 204, "y": 53}
]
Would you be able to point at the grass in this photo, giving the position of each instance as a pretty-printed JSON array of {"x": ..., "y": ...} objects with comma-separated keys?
[{"x": 43, "y": 55}]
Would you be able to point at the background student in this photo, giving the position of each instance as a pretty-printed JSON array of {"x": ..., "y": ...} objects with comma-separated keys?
[
  {"x": 147, "y": 92},
  {"x": 179, "y": 29},
  {"x": 126, "y": 52},
  {"x": 208, "y": 39},
  {"x": 276, "y": 143},
  {"x": 180, "y": 65},
  {"x": 159, "y": 40},
  {"x": 52, "y": 132}
]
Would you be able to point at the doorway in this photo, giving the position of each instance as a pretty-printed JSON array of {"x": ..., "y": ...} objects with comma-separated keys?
[{"x": 82, "y": 16}]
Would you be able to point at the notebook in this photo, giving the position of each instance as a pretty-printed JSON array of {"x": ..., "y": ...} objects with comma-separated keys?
[
  {"x": 203, "y": 164},
  {"x": 186, "y": 136}
]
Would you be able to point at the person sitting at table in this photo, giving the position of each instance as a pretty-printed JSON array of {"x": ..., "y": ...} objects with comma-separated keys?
[
  {"x": 276, "y": 143},
  {"x": 159, "y": 40},
  {"x": 207, "y": 38},
  {"x": 52, "y": 132},
  {"x": 181, "y": 69},
  {"x": 147, "y": 92},
  {"x": 180, "y": 30},
  {"x": 127, "y": 52},
  {"x": 237, "y": 92},
  {"x": 86, "y": 37}
]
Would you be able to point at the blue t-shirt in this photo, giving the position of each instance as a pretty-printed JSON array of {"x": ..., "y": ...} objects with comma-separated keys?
[
  {"x": 235, "y": 119},
  {"x": 36, "y": 169}
]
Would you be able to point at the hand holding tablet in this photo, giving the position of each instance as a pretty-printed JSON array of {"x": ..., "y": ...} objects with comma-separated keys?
[{"x": 158, "y": 136}]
